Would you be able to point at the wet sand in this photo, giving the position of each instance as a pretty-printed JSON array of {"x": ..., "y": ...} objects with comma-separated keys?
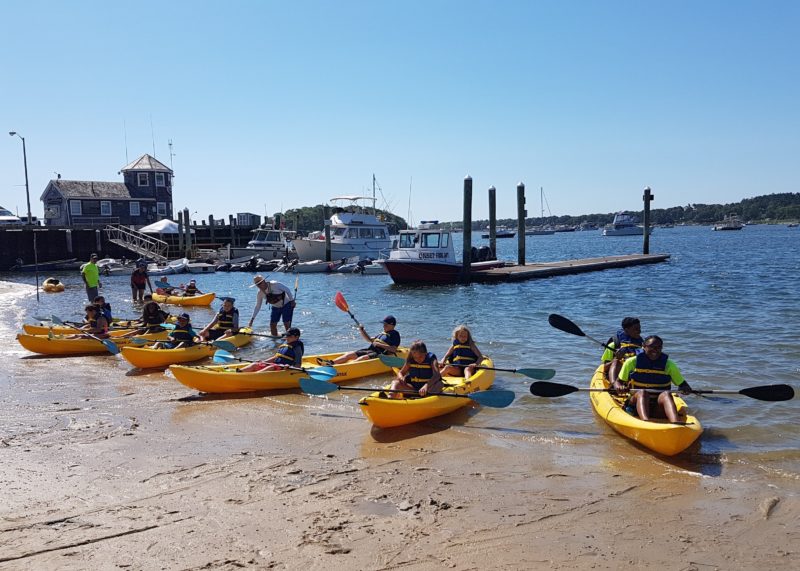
[{"x": 106, "y": 470}]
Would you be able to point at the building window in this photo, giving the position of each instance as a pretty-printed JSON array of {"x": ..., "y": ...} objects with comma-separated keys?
[
  {"x": 135, "y": 208},
  {"x": 75, "y": 207},
  {"x": 160, "y": 179},
  {"x": 143, "y": 179},
  {"x": 161, "y": 208},
  {"x": 105, "y": 208},
  {"x": 52, "y": 211}
]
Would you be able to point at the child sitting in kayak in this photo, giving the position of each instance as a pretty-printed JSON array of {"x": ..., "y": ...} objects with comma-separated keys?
[
  {"x": 290, "y": 353},
  {"x": 653, "y": 370},
  {"x": 182, "y": 336},
  {"x": 463, "y": 355},
  {"x": 420, "y": 373},
  {"x": 621, "y": 347},
  {"x": 105, "y": 308},
  {"x": 96, "y": 324},
  {"x": 150, "y": 321},
  {"x": 224, "y": 324},
  {"x": 384, "y": 344},
  {"x": 191, "y": 289}
]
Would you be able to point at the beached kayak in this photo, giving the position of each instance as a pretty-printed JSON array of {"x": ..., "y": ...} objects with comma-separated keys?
[
  {"x": 203, "y": 299},
  {"x": 387, "y": 412},
  {"x": 658, "y": 435},
  {"x": 118, "y": 327},
  {"x": 57, "y": 345},
  {"x": 148, "y": 358},
  {"x": 227, "y": 379}
]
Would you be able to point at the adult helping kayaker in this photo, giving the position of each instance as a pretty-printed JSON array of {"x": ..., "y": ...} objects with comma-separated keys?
[
  {"x": 224, "y": 324},
  {"x": 279, "y": 297},
  {"x": 625, "y": 343},
  {"x": 384, "y": 344},
  {"x": 653, "y": 370},
  {"x": 90, "y": 274},
  {"x": 420, "y": 373}
]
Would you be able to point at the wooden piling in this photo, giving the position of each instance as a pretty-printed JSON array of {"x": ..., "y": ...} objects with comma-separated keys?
[
  {"x": 233, "y": 231},
  {"x": 648, "y": 196},
  {"x": 521, "y": 214},
  {"x": 188, "y": 227},
  {"x": 493, "y": 220},
  {"x": 211, "y": 228},
  {"x": 466, "y": 255},
  {"x": 326, "y": 213},
  {"x": 180, "y": 231}
]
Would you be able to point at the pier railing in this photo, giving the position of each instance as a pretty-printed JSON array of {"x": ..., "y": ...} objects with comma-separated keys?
[{"x": 137, "y": 242}]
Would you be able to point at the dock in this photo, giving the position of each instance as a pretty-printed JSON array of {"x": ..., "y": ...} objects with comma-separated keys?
[{"x": 549, "y": 269}]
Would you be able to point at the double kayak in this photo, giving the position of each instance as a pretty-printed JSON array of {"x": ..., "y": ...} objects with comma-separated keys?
[
  {"x": 57, "y": 345},
  {"x": 389, "y": 412},
  {"x": 228, "y": 378},
  {"x": 118, "y": 327},
  {"x": 197, "y": 300},
  {"x": 149, "y": 358},
  {"x": 660, "y": 436}
]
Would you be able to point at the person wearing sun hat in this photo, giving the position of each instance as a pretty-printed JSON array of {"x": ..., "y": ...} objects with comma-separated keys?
[
  {"x": 384, "y": 344},
  {"x": 279, "y": 297}
]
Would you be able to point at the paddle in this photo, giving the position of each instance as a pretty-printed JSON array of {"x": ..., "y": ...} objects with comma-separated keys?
[
  {"x": 544, "y": 374},
  {"x": 771, "y": 393},
  {"x": 219, "y": 343},
  {"x": 261, "y": 335},
  {"x": 492, "y": 398},
  {"x": 567, "y": 326},
  {"x": 341, "y": 303},
  {"x": 320, "y": 373},
  {"x": 110, "y": 345}
]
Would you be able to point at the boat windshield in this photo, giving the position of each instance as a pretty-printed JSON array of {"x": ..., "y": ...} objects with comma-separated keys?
[
  {"x": 408, "y": 240},
  {"x": 339, "y": 232},
  {"x": 267, "y": 236},
  {"x": 430, "y": 240}
]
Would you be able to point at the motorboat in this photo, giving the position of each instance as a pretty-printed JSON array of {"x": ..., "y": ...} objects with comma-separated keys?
[
  {"x": 624, "y": 224},
  {"x": 112, "y": 267},
  {"x": 173, "y": 267},
  {"x": 200, "y": 268},
  {"x": 500, "y": 233},
  {"x": 729, "y": 222},
  {"x": 267, "y": 243},
  {"x": 425, "y": 255},
  {"x": 7, "y": 218},
  {"x": 354, "y": 231},
  {"x": 311, "y": 267},
  {"x": 539, "y": 231}
]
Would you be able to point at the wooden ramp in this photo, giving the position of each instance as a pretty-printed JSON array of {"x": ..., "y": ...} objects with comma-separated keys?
[{"x": 550, "y": 269}]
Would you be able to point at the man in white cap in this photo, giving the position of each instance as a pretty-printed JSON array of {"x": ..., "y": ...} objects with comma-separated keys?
[{"x": 279, "y": 297}]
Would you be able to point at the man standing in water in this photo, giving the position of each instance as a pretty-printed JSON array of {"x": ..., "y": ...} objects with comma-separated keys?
[
  {"x": 91, "y": 277},
  {"x": 279, "y": 297}
]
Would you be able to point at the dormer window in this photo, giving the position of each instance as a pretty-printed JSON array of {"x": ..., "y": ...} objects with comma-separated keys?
[
  {"x": 160, "y": 181},
  {"x": 143, "y": 179}
]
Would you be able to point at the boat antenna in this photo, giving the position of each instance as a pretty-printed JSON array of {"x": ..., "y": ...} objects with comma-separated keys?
[
  {"x": 171, "y": 154},
  {"x": 374, "y": 212},
  {"x": 410, "y": 220}
]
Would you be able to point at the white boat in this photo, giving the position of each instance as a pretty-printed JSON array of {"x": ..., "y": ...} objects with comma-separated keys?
[
  {"x": 375, "y": 267},
  {"x": 267, "y": 243},
  {"x": 540, "y": 230},
  {"x": 113, "y": 267},
  {"x": 173, "y": 267},
  {"x": 624, "y": 224},
  {"x": 200, "y": 268},
  {"x": 7, "y": 218},
  {"x": 425, "y": 255},
  {"x": 500, "y": 233},
  {"x": 730, "y": 222},
  {"x": 354, "y": 232},
  {"x": 314, "y": 266}
]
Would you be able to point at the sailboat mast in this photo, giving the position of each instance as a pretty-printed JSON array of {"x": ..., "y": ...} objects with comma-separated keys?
[{"x": 373, "y": 195}]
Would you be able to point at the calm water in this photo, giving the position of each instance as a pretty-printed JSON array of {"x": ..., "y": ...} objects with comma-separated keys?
[{"x": 726, "y": 305}]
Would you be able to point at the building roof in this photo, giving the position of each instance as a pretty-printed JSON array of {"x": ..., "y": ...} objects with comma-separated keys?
[
  {"x": 146, "y": 163},
  {"x": 93, "y": 189}
]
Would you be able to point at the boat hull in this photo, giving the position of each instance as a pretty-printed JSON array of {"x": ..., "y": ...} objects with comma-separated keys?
[
  {"x": 657, "y": 435},
  {"x": 625, "y": 231},
  {"x": 420, "y": 272},
  {"x": 315, "y": 249},
  {"x": 148, "y": 358},
  {"x": 388, "y": 413},
  {"x": 226, "y": 379},
  {"x": 44, "y": 345},
  {"x": 194, "y": 300}
]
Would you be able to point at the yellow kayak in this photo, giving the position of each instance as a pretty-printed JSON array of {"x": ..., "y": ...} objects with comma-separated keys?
[
  {"x": 56, "y": 345},
  {"x": 227, "y": 379},
  {"x": 387, "y": 412},
  {"x": 658, "y": 435},
  {"x": 118, "y": 327},
  {"x": 203, "y": 299},
  {"x": 149, "y": 358}
]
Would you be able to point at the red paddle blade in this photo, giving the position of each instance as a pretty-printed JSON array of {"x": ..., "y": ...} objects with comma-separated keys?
[{"x": 340, "y": 302}]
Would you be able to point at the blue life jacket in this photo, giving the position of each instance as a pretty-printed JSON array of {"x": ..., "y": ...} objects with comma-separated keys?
[
  {"x": 650, "y": 374},
  {"x": 225, "y": 320},
  {"x": 392, "y": 338},
  {"x": 421, "y": 372},
  {"x": 182, "y": 334},
  {"x": 105, "y": 309},
  {"x": 462, "y": 354},
  {"x": 290, "y": 353},
  {"x": 628, "y": 344}
]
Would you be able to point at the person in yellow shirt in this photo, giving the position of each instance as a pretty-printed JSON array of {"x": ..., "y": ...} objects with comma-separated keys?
[{"x": 91, "y": 278}]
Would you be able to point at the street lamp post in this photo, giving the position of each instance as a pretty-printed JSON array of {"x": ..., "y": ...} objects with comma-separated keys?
[{"x": 25, "y": 160}]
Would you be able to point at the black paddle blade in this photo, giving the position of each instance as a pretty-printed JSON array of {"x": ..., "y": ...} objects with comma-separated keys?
[
  {"x": 769, "y": 392},
  {"x": 545, "y": 389},
  {"x": 564, "y": 324}
]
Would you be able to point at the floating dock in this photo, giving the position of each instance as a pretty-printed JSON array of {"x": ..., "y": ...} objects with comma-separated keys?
[{"x": 549, "y": 269}]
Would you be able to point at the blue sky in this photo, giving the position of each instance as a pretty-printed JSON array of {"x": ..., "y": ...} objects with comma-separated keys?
[{"x": 279, "y": 105}]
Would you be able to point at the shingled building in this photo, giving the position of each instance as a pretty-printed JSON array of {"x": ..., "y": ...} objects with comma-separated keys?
[{"x": 144, "y": 197}]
